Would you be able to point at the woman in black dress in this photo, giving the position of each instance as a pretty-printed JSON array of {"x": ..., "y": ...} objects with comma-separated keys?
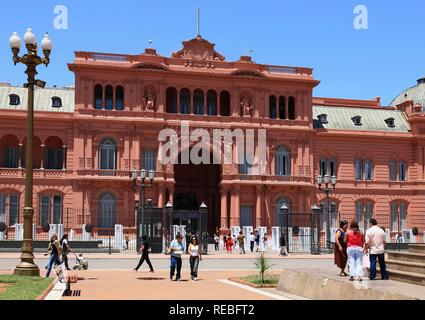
[{"x": 340, "y": 250}]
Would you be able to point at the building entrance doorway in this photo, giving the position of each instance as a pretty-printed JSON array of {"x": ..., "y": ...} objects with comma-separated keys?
[{"x": 197, "y": 183}]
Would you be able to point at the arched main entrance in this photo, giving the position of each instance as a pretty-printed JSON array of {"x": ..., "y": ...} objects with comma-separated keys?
[{"x": 197, "y": 183}]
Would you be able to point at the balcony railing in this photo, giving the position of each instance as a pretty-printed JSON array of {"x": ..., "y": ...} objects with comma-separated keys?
[
  {"x": 271, "y": 178},
  {"x": 38, "y": 173}
]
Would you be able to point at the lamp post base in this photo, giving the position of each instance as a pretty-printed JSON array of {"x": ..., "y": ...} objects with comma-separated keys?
[{"x": 27, "y": 269}]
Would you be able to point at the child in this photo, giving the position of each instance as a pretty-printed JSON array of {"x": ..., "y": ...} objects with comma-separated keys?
[{"x": 82, "y": 262}]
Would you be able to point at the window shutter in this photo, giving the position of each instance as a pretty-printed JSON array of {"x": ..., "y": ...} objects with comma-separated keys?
[
  {"x": 393, "y": 175},
  {"x": 358, "y": 169}
]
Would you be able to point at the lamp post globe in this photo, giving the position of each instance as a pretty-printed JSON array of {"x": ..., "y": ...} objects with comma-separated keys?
[
  {"x": 46, "y": 43},
  {"x": 29, "y": 37},
  {"x": 15, "y": 41}
]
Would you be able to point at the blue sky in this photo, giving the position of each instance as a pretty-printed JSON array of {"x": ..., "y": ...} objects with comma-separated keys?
[{"x": 381, "y": 61}]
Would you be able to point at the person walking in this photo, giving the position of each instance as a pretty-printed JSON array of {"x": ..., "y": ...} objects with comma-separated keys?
[
  {"x": 355, "y": 240},
  {"x": 65, "y": 250},
  {"x": 282, "y": 243},
  {"x": 224, "y": 242},
  {"x": 176, "y": 249},
  {"x": 55, "y": 252},
  {"x": 251, "y": 241},
  {"x": 145, "y": 248},
  {"x": 375, "y": 244},
  {"x": 340, "y": 249},
  {"x": 127, "y": 240},
  {"x": 241, "y": 242},
  {"x": 216, "y": 242},
  {"x": 229, "y": 243},
  {"x": 195, "y": 257},
  {"x": 265, "y": 242},
  {"x": 257, "y": 240}
]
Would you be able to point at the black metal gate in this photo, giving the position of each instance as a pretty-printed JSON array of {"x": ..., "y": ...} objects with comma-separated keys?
[
  {"x": 301, "y": 231},
  {"x": 156, "y": 227}
]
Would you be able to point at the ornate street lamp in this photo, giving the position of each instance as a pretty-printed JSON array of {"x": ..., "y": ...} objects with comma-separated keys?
[
  {"x": 284, "y": 216},
  {"x": 144, "y": 175},
  {"x": 27, "y": 267},
  {"x": 327, "y": 185}
]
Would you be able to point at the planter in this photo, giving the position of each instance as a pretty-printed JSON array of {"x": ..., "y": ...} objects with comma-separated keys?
[{"x": 250, "y": 284}]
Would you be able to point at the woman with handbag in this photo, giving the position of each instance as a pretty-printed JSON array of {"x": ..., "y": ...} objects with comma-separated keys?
[
  {"x": 145, "y": 249},
  {"x": 55, "y": 252},
  {"x": 355, "y": 241}
]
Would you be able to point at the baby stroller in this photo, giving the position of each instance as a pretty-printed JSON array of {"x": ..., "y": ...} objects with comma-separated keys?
[{"x": 81, "y": 262}]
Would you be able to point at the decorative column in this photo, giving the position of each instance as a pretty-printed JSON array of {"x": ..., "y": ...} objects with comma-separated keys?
[
  {"x": 235, "y": 207},
  {"x": 223, "y": 212},
  {"x": 42, "y": 156},
  {"x": 161, "y": 196},
  {"x": 64, "y": 157},
  {"x": 20, "y": 155},
  {"x": 218, "y": 101},
  {"x": 258, "y": 209}
]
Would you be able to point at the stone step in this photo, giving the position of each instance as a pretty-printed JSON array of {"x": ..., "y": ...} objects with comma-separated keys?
[
  {"x": 407, "y": 277},
  {"x": 406, "y": 256},
  {"x": 417, "y": 248},
  {"x": 408, "y": 266}
]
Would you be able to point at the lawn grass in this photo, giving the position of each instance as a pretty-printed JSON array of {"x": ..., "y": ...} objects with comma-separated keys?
[
  {"x": 23, "y": 288},
  {"x": 255, "y": 279}
]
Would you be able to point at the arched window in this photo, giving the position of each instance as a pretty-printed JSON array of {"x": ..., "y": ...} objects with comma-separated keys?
[
  {"x": 272, "y": 107},
  {"x": 98, "y": 97},
  {"x": 283, "y": 161},
  {"x": 184, "y": 101},
  {"x": 107, "y": 155},
  {"x": 280, "y": 218},
  {"x": 107, "y": 211},
  {"x": 198, "y": 102},
  {"x": 171, "y": 100},
  {"x": 50, "y": 209},
  {"x": 225, "y": 103},
  {"x": 212, "y": 103},
  {"x": 9, "y": 151},
  {"x": 291, "y": 108},
  {"x": 282, "y": 107},
  {"x": 119, "y": 98},
  {"x": 398, "y": 216},
  {"x": 109, "y": 98},
  {"x": 364, "y": 212},
  {"x": 402, "y": 170},
  {"x": 53, "y": 155},
  {"x": 9, "y": 208}
]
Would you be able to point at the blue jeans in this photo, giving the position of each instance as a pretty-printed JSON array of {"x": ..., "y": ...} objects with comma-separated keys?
[
  {"x": 382, "y": 265},
  {"x": 355, "y": 261},
  {"x": 194, "y": 264},
  {"x": 175, "y": 262},
  {"x": 52, "y": 261}
]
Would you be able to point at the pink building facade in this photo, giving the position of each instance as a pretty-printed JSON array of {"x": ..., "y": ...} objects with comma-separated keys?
[{"x": 91, "y": 136}]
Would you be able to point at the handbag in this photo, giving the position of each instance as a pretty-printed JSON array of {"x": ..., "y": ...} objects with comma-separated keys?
[{"x": 366, "y": 261}]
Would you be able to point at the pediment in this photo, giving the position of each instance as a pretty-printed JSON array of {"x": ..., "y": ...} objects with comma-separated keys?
[{"x": 198, "y": 49}]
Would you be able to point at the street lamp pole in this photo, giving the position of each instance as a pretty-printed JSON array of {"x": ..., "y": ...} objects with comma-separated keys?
[
  {"x": 324, "y": 186},
  {"x": 140, "y": 210},
  {"x": 27, "y": 267}
]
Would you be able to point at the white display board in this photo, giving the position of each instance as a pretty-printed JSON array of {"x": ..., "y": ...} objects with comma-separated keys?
[
  {"x": 56, "y": 229},
  {"x": 234, "y": 231},
  {"x": 86, "y": 235},
  {"x": 262, "y": 231},
  {"x": 19, "y": 232},
  {"x": 34, "y": 231},
  {"x": 118, "y": 237},
  {"x": 408, "y": 236},
  {"x": 71, "y": 235},
  {"x": 247, "y": 233},
  {"x": 276, "y": 233}
]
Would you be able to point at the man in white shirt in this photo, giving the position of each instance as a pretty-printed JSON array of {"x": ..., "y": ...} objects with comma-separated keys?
[{"x": 375, "y": 243}]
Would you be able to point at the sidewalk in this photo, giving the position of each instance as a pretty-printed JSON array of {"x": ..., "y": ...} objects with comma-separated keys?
[
  {"x": 219, "y": 255},
  {"x": 129, "y": 285}
]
